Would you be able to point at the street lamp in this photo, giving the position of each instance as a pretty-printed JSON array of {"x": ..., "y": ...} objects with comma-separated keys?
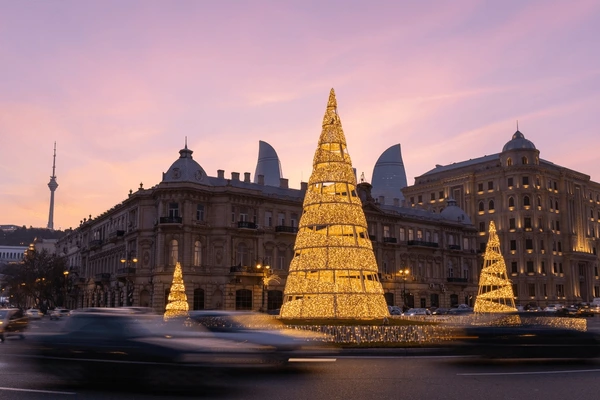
[
  {"x": 130, "y": 260},
  {"x": 265, "y": 269},
  {"x": 66, "y": 275},
  {"x": 404, "y": 274}
]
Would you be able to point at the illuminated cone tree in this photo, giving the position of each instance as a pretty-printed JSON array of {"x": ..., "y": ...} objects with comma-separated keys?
[
  {"x": 333, "y": 273},
  {"x": 177, "y": 305},
  {"x": 495, "y": 289}
]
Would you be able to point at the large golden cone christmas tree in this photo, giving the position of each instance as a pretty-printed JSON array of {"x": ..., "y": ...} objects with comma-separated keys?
[
  {"x": 333, "y": 273},
  {"x": 495, "y": 289},
  {"x": 177, "y": 305}
]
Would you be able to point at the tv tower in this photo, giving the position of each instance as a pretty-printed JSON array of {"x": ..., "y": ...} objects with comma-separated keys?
[{"x": 52, "y": 185}]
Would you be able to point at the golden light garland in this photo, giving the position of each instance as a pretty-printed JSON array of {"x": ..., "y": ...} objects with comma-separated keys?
[
  {"x": 334, "y": 272},
  {"x": 495, "y": 289},
  {"x": 177, "y": 305}
]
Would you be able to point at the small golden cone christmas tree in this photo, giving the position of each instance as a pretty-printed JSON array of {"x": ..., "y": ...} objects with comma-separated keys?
[
  {"x": 177, "y": 305},
  {"x": 495, "y": 289},
  {"x": 334, "y": 272}
]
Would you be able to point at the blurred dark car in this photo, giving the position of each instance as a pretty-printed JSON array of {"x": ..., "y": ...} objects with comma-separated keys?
[
  {"x": 440, "y": 311},
  {"x": 529, "y": 341},
  {"x": 263, "y": 329},
  {"x": 585, "y": 311},
  {"x": 567, "y": 312},
  {"x": 96, "y": 347},
  {"x": 12, "y": 323}
]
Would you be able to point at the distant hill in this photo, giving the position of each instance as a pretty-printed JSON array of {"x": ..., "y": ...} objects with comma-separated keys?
[{"x": 24, "y": 236}]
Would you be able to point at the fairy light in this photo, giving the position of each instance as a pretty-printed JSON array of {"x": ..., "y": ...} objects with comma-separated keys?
[
  {"x": 495, "y": 289},
  {"x": 334, "y": 272},
  {"x": 177, "y": 305}
]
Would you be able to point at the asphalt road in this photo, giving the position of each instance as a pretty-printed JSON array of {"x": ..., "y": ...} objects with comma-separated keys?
[{"x": 349, "y": 377}]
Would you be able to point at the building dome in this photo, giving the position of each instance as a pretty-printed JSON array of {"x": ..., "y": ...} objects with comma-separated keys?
[
  {"x": 186, "y": 169},
  {"x": 389, "y": 176},
  {"x": 518, "y": 141},
  {"x": 268, "y": 165},
  {"x": 454, "y": 213}
]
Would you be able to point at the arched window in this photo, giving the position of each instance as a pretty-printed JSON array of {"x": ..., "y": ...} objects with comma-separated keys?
[
  {"x": 508, "y": 162},
  {"x": 539, "y": 202},
  {"x": 491, "y": 205},
  {"x": 524, "y": 161},
  {"x": 481, "y": 206},
  {"x": 198, "y": 299},
  {"x": 197, "y": 253},
  {"x": 526, "y": 201},
  {"x": 243, "y": 299},
  {"x": 173, "y": 252},
  {"x": 511, "y": 202}
]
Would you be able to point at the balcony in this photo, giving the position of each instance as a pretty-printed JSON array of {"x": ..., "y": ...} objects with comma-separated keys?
[
  {"x": 389, "y": 240},
  {"x": 457, "y": 280},
  {"x": 94, "y": 244},
  {"x": 286, "y": 229},
  {"x": 102, "y": 277},
  {"x": 170, "y": 220},
  {"x": 115, "y": 235},
  {"x": 422, "y": 243},
  {"x": 126, "y": 271},
  {"x": 247, "y": 225},
  {"x": 454, "y": 247}
]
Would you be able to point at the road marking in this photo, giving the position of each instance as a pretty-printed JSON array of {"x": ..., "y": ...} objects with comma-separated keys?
[
  {"x": 529, "y": 373},
  {"x": 35, "y": 391},
  {"x": 311, "y": 359}
]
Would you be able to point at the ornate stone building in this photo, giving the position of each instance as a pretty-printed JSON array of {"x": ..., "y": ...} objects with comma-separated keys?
[
  {"x": 225, "y": 232},
  {"x": 547, "y": 218}
]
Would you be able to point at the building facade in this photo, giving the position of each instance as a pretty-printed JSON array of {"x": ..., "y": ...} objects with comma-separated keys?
[
  {"x": 547, "y": 218},
  {"x": 234, "y": 239}
]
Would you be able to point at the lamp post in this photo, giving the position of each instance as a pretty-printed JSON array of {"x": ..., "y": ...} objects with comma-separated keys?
[
  {"x": 66, "y": 275},
  {"x": 130, "y": 260},
  {"x": 404, "y": 274},
  {"x": 265, "y": 269}
]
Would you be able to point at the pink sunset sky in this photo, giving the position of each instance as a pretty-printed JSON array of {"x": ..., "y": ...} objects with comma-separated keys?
[{"x": 119, "y": 85}]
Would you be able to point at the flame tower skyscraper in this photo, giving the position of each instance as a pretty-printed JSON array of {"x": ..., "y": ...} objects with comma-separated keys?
[{"x": 52, "y": 185}]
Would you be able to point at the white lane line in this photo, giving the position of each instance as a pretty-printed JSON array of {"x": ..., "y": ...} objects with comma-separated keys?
[
  {"x": 311, "y": 360},
  {"x": 35, "y": 391},
  {"x": 529, "y": 373}
]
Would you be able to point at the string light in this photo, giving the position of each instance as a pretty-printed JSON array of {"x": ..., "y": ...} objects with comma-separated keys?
[
  {"x": 495, "y": 289},
  {"x": 334, "y": 272},
  {"x": 177, "y": 305}
]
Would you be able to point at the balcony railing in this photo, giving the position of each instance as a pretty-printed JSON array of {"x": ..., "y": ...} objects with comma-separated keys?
[
  {"x": 170, "y": 220},
  {"x": 247, "y": 225},
  {"x": 454, "y": 247},
  {"x": 286, "y": 229},
  {"x": 422, "y": 243},
  {"x": 389, "y": 240},
  {"x": 457, "y": 280},
  {"x": 126, "y": 271},
  {"x": 102, "y": 277}
]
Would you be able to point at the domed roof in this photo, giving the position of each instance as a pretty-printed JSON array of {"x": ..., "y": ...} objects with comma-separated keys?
[
  {"x": 518, "y": 141},
  {"x": 389, "y": 176},
  {"x": 454, "y": 213},
  {"x": 268, "y": 165},
  {"x": 186, "y": 169}
]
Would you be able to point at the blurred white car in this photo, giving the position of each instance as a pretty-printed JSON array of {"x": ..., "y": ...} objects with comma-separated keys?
[
  {"x": 394, "y": 310},
  {"x": 34, "y": 313},
  {"x": 417, "y": 311},
  {"x": 58, "y": 313}
]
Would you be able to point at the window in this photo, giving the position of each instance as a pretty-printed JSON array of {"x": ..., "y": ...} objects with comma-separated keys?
[
  {"x": 514, "y": 269},
  {"x": 555, "y": 186},
  {"x": 511, "y": 202},
  {"x": 513, "y": 245},
  {"x": 524, "y": 161},
  {"x": 441, "y": 195},
  {"x": 527, "y": 223},
  {"x": 173, "y": 210},
  {"x": 525, "y": 180},
  {"x": 539, "y": 202},
  {"x": 491, "y": 205},
  {"x": 243, "y": 257},
  {"x": 530, "y": 267},
  {"x": 243, "y": 299},
  {"x": 412, "y": 201},
  {"x": 173, "y": 252},
  {"x": 432, "y": 196},
  {"x": 511, "y": 224},
  {"x": 554, "y": 268},
  {"x": 543, "y": 268},
  {"x": 482, "y": 227},
  {"x": 268, "y": 218},
  {"x": 528, "y": 244},
  {"x": 542, "y": 249},
  {"x": 490, "y": 185},
  {"x": 419, "y": 234},
  {"x": 402, "y": 234},
  {"x": 560, "y": 290},
  {"x": 197, "y": 253},
  {"x": 198, "y": 299},
  {"x": 420, "y": 199},
  {"x": 540, "y": 226},
  {"x": 200, "y": 212},
  {"x": 411, "y": 234},
  {"x": 480, "y": 187},
  {"x": 386, "y": 231},
  {"x": 481, "y": 206},
  {"x": 559, "y": 247},
  {"x": 560, "y": 268},
  {"x": 510, "y": 182},
  {"x": 558, "y": 227},
  {"x": 281, "y": 219},
  {"x": 294, "y": 220},
  {"x": 508, "y": 162},
  {"x": 531, "y": 289},
  {"x": 526, "y": 201}
]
